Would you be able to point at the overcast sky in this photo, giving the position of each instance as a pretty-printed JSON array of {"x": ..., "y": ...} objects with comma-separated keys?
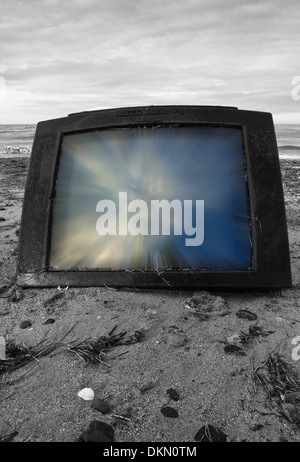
[{"x": 62, "y": 56}]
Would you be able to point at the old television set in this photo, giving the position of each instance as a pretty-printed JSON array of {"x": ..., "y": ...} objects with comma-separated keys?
[{"x": 181, "y": 197}]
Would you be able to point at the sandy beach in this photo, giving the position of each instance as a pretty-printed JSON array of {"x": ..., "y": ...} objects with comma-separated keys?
[{"x": 181, "y": 345}]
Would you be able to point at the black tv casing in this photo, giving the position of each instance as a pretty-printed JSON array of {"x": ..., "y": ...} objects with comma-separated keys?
[{"x": 270, "y": 261}]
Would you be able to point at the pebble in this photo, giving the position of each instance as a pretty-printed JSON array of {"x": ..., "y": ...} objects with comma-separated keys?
[
  {"x": 25, "y": 324},
  {"x": 147, "y": 385},
  {"x": 173, "y": 394},
  {"x": 176, "y": 339},
  {"x": 50, "y": 321},
  {"x": 257, "y": 427},
  {"x": 97, "y": 432},
  {"x": 100, "y": 405},
  {"x": 245, "y": 314},
  {"x": 151, "y": 313},
  {"x": 168, "y": 411},
  {"x": 210, "y": 434}
]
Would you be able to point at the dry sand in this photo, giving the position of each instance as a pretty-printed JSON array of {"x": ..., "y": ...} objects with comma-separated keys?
[{"x": 180, "y": 349}]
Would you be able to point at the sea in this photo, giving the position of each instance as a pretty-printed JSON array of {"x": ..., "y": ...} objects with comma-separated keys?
[{"x": 16, "y": 140}]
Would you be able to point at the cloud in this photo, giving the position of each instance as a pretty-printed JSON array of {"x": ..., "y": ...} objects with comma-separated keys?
[{"x": 76, "y": 54}]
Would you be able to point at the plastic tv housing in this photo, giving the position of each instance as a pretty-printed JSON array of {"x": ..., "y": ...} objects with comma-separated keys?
[{"x": 183, "y": 197}]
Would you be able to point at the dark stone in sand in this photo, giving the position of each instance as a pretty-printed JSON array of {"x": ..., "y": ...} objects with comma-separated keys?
[
  {"x": 257, "y": 427},
  {"x": 210, "y": 434},
  {"x": 50, "y": 321},
  {"x": 25, "y": 324},
  {"x": 97, "y": 432},
  {"x": 245, "y": 314},
  {"x": 173, "y": 394},
  {"x": 100, "y": 405},
  {"x": 168, "y": 411},
  {"x": 2, "y": 219},
  {"x": 235, "y": 350}
]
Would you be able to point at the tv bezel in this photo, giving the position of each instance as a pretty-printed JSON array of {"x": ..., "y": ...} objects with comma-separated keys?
[{"x": 270, "y": 260}]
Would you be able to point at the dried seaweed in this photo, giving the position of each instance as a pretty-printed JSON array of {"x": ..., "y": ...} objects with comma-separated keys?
[
  {"x": 18, "y": 355},
  {"x": 282, "y": 383},
  {"x": 90, "y": 350},
  {"x": 94, "y": 351}
]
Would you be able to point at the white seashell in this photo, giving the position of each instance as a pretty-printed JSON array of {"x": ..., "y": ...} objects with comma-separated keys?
[{"x": 87, "y": 394}]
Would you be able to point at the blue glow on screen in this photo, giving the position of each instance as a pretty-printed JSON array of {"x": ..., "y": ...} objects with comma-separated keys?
[{"x": 182, "y": 163}]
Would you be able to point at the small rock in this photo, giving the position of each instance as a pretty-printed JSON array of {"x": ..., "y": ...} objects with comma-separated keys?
[
  {"x": 234, "y": 349},
  {"x": 168, "y": 411},
  {"x": 50, "y": 321},
  {"x": 97, "y": 432},
  {"x": 100, "y": 405},
  {"x": 177, "y": 339},
  {"x": 210, "y": 434},
  {"x": 234, "y": 339},
  {"x": 257, "y": 427},
  {"x": 25, "y": 324},
  {"x": 173, "y": 394},
  {"x": 245, "y": 314},
  {"x": 147, "y": 385},
  {"x": 151, "y": 313}
]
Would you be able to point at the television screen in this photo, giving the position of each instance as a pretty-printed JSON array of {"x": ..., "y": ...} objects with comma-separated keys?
[
  {"x": 155, "y": 197},
  {"x": 149, "y": 198}
]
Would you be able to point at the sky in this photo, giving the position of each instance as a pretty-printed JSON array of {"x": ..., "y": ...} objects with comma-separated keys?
[{"x": 59, "y": 57}]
